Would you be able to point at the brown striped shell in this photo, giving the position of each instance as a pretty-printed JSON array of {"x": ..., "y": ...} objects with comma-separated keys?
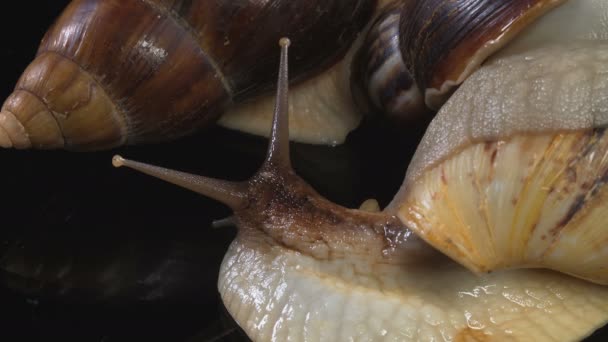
[
  {"x": 103, "y": 78},
  {"x": 381, "y": 82}
]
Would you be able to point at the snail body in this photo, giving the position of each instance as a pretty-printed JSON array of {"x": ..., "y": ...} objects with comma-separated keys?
[
  {"x": 276, "y": 293},
  {"x": 96, "y": 84},
  {"x": 304, "y": 268}
]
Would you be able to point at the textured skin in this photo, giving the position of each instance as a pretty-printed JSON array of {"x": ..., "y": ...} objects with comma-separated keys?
[
  {"x": 280, "y": 295},
  {"x": 550, "y": 89}
]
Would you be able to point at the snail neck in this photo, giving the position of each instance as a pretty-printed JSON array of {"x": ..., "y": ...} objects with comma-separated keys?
[{"x": 294, "y": 216}]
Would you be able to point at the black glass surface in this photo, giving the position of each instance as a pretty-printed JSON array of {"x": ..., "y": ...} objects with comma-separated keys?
[{"x": 93, "y": 253}]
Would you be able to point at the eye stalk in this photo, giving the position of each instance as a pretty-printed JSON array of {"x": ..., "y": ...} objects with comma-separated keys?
[{"x": 278, "y": 149}]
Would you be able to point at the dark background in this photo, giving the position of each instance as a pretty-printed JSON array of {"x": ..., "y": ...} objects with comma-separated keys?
[{"x": 93, "y": 253}]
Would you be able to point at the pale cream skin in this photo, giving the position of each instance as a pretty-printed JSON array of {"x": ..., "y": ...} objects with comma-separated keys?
[
  {"x": 304, "y": 269},
  {"x": 276, "y": 294}
]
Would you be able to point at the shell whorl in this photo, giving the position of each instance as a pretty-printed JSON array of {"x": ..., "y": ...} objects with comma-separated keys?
[{"x": 381, "y": 82}]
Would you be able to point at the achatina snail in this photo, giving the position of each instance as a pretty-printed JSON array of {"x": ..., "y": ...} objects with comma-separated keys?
[
  {"x": 505, "y": 182},
  {"x": 300, "y": 261},
  {"x": 96, "y": 85}
]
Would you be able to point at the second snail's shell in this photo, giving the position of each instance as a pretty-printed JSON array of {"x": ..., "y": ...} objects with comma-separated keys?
[
  {"x": 122, "y": 72},
  {"x": 517, "y": 176}
]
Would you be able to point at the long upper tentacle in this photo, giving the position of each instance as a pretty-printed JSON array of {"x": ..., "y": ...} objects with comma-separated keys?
[{"x": 278, "y": 149}]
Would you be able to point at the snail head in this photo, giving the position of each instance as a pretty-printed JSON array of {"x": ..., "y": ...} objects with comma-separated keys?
[{"x": 290, "y": 212}]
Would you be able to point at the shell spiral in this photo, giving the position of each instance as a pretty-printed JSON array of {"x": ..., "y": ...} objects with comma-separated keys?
[
  {"x": 380, "y": 81},
  {"x": 102, "y": 78}
]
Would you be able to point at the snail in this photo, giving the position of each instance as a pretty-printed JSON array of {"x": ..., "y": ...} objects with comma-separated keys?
[
  {"x": 498, "y": 232},
  {"x": 96, "y": 85},
  {"x": 90, "y": 85},
  {"x": 305, "y": 268}
]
